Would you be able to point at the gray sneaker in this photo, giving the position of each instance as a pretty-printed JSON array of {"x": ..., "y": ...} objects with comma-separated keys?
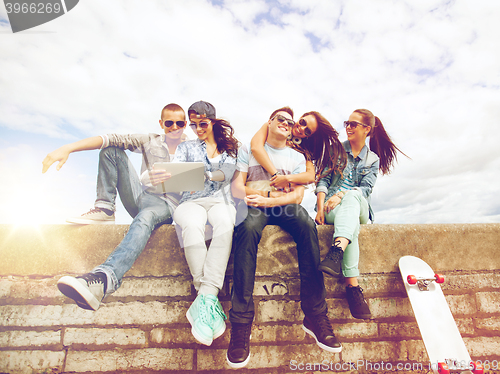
[
  {"x": 93, "y": 216},
  {"x": 86, "y": 290}
]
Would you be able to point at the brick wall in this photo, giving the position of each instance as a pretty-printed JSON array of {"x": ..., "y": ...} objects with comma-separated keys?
[{"x": 142, "y": 327}]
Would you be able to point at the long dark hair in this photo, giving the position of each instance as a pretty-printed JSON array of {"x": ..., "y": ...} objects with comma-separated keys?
[
  {"x": 323, "y": 148},
  {"x": 380, "y": 141},
  {"x": 224, "y": 137}
]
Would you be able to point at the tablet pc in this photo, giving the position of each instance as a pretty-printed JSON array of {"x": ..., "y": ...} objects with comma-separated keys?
[{"x": 186, "y": 176}]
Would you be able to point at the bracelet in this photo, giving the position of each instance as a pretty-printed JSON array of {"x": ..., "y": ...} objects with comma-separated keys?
[
  {"x": 275, "y": 174},
  {"x": 340, "y": 194},
  {"x": 268, "y": 193}
]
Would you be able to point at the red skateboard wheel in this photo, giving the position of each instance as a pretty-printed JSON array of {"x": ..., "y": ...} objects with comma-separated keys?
[
  {"x": 443, "y": 368},
  {"x": 477, "y": 368},
  {"x": 411, "y": 279},
  {"x": 439, "y": 278}
]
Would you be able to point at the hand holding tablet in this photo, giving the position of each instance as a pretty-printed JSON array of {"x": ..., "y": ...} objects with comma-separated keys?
[
  {"x": 178, "y": 176},
  {"x": 157, "y": 176}
]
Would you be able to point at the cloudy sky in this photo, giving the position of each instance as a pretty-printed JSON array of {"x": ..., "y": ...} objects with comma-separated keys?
[{"x": 430, "y": 70}]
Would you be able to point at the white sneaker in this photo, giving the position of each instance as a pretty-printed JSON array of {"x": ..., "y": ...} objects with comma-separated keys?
[
  {"x": 86, "y": 290},
  {"x": 93, "y": 216}
]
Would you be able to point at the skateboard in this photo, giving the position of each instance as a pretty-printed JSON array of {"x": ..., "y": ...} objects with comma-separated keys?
[{"x": 442, "y": 340}]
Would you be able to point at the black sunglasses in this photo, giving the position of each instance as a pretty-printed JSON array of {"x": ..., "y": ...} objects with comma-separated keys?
[
  {"x": 307, "y": 130},
  {"x": 282, "y": 119},
  {"x": 353, "y": 124},
  {"x": 203, "y": 125},
  {"x": 178, "y": 123}
]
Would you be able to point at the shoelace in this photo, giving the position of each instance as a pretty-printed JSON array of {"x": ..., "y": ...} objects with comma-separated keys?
[
  {"x": 92, "y": 279},
  {"x": 335, "y": 254},
  {"x": 203, "y": 312},
  {"x": 357, "y": 295},
  {"x": 91, "y": 211},
  {"x": 240, "y": 335},
  {"x": 324, "y": 325},
  {"x": 215, "y": 310},
  {"x": 209, "y": 310}
]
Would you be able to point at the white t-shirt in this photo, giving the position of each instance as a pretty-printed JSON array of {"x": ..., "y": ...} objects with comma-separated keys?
[{"x": 285, "y": 160}]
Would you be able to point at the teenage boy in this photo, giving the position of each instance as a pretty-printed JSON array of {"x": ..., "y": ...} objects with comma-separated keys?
[
  {"x": 266, "y": 207},
  {"x": 148, "y": 208}
]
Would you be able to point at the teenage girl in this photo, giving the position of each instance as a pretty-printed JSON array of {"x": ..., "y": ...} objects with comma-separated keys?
[
  {"x": 217, "y": 148},
  {"x": 344, "y": 200}
]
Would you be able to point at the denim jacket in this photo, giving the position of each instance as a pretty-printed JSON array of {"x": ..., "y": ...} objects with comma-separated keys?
[
  {"x": 196, "y": 151},
  {"x": 364, "y": 169}
]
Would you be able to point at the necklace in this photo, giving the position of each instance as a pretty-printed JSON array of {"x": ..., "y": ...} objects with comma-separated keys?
[{"x": 214, "y": 151}]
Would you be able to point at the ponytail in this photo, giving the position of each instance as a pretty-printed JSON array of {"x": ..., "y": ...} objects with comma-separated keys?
[{"x": 380, "y": 142}]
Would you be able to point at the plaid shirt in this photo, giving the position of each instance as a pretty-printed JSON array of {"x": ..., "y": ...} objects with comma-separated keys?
[
  {"x": 154, "y": 148},
  {"x": 196, "y": 151}
]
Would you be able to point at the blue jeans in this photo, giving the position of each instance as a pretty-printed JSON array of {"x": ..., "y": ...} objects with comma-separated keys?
[
  {"x": 296, "y": 221},
  {"x": 116, "y": 173},
  {"x": 153, "y": 211}
]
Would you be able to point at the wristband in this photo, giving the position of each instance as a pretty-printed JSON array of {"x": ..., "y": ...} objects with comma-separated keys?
[
  {"x": 268, "y": 193},
  {"x": 340, "y": 194}
]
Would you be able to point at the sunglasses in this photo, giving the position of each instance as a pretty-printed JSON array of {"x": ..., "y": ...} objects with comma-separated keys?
[
  {"x": 353, "y": 124},
  {"x": 307, "y": 130},
  {"x": 282, "y": 119},
  {"x": 202, "y": 125},
  {"x": 171, "y": 123}
]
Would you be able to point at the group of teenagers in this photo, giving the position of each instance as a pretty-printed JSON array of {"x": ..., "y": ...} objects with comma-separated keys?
[{"x": 246, "y": 188}]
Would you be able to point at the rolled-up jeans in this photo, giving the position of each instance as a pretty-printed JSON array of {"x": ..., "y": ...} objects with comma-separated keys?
[
  {"x": 153, "y": 211},
  {"x": 117, "y": 174},
  {"x": 296, "y": 221},
  {"x": 207, "y": 265},
  {"x": 347, "y": 216}
]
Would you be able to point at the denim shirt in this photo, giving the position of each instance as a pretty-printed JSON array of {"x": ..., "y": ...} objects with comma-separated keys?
[
  {"x": 363, "y": 170},
  {"x": 196, "y": 151}
]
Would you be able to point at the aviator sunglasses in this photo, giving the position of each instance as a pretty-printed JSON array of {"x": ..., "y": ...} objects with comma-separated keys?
[
  {"x": 307, "y": 130},
  {"x": 203, "y": 125},
  {"x": 171, "y": 123},
  {"x": 353, "y": 124},
  {"x": 282, "y": 119}
]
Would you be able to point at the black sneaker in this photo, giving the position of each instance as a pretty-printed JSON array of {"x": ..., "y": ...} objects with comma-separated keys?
[
  {"x": 357, "y": 303},
  {"x": 332, "y": 264},
  {"x": 87, "y": 290},
  {"x": 320, "y": 329},
  {"x": 238, "y": 352}
]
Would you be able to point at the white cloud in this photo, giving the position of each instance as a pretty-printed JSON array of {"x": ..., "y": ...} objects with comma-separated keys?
[{"x": 429, "y": 70}]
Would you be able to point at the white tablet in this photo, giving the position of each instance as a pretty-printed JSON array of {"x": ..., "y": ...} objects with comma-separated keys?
[{"x": 186, "y": 176}]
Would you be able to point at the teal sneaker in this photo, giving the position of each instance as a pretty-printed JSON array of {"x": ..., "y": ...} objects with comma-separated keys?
[
  {"x": 218, "y": 317},
  {"x": 199, "y": 317}
]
